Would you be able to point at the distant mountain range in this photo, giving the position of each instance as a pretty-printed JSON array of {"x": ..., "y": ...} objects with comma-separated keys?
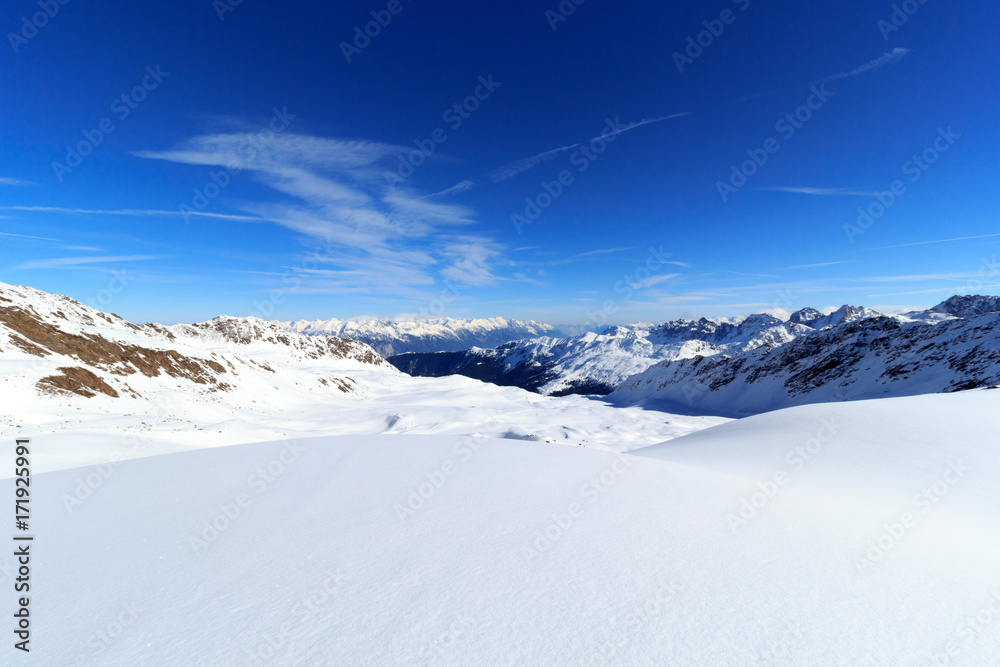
[
  {"x": 57, "y": 346},
  {"x": 76, "y": 375},
  {"x": 445, "y": 334},
  {"x": 596, "y": 363},
  {"x": 760, "y": 363}
]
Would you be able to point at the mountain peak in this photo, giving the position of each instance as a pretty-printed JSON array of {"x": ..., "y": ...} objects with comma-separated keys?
[{"x": 969, "y": 306}]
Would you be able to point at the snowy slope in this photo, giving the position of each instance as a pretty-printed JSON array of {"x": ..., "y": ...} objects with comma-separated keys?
[
  {"x": 444, "y": 334},
  {"x": 869, "y": 358},
  {"x": 99, "y": 387},
  {"x": 522, "y": 553}
]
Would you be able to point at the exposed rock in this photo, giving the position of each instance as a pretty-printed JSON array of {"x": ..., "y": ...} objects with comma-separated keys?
[
  {"x": 76, "y": 380},
  {"x": 117, "y": 358}
]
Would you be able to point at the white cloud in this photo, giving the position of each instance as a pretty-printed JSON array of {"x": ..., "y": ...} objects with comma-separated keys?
[
  {"x": 654, "y": 280},
  {"x": 458, "y": 188},
  {"x": 512, "y": 169},
  {"x": 75, "y": 262},
  {"x": 33, "y": 238},
  {"x": 886, "y": 59},
  {"x": 130, "y": 212},
  {"x": 815, "y": 266},
  {"x": 376, "y": 240},
  {"x": 829, "y": 192},
  {"x": 960, "y": 238}
]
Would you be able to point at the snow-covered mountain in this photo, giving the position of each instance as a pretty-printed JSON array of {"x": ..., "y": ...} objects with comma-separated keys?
[
  {"x": 445, "y": 334},
  {"x": 76, "y": 349},
  {"x": 868, "y": 358},
  {"x": 596, "y": 363},
  {"x": 91, "y": 382},
  {"x": 358, "y": 515},
  {"x": 968, "y": 306}
]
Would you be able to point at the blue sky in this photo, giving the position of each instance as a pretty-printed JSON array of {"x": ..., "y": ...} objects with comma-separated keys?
[{"x": 263, "y": 159}]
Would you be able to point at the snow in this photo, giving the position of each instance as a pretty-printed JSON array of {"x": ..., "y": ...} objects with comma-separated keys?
[
  {"x": 327, "y": 509},
  {"x": 869, "y": 358},
  {"x": 81, "y": 431},
  {"x": 283, "y": 385},
  {"x": 646, "y": 569},
  {"x": 440, "y": 334}
]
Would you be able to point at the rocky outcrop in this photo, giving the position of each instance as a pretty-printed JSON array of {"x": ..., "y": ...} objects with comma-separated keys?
[
  {"x": 95, "y": 350},
  {"x": 76, "y": 380}
]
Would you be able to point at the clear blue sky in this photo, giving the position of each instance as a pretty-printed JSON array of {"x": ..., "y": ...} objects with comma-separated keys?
[{"x": 310, "y": 211}]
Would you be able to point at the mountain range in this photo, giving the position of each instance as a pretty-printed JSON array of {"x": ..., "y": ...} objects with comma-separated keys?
[
  {"x": 93, "y": 383},
  {"x": 755, "y": 364},
  {"x": 724, "y": 367},
  {"x": 444, "y": 334}
]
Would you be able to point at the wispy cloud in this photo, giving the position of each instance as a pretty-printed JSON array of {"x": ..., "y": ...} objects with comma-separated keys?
[
  {"x": 75, "y": 262},
  {"x": 131, "y": 212},
  {"x": 815, "y": 266},
  {"x": 894, "y": 56},
  {"x": 15, "y": 182},
  {"x": 960, "y": 238},
  {"x": 524, "y": 278},
  {"x": 512, "y": 169},
  {"x": 654, "y": 280},
  {"x": 593, "y": 253},
  {"x": 33, "y": 238},
  {"x": 456, "y": 189},
  {"x": 376, "y": 240},
  {"x": 822, "y": 192},
  {"x": 750, "y": 275},
  {"x": 886, "y": 59}
]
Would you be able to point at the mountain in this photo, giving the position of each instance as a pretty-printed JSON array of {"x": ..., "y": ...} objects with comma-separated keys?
[
  {"x": 86, "y": 381},
  {"x": 842, "y": 315},
  {"x": 389, "y": 337},
  {"x": 596, "y": 363},
  {"x": 968, "y": 306},
  {"x": 868, "y": 358},
  {"x": 86, "y": 352}
]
